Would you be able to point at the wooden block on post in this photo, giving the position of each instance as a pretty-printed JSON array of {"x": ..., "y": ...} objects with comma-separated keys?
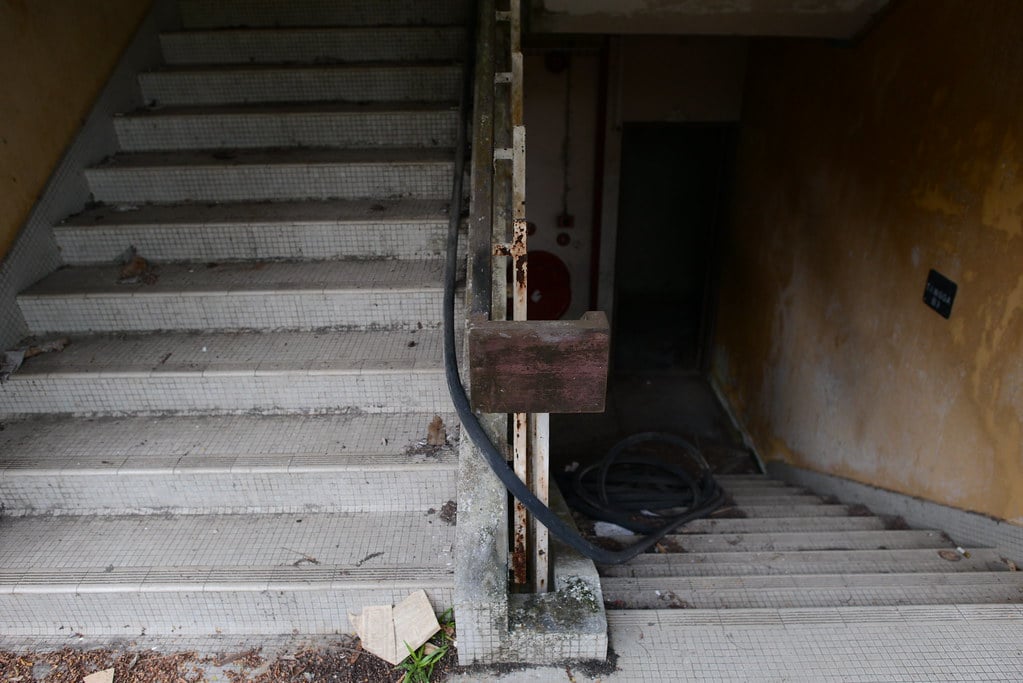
[{"x": 540, "y": 366}]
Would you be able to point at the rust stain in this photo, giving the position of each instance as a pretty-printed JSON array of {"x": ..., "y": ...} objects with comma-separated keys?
[{"x": 520, "y": 573}]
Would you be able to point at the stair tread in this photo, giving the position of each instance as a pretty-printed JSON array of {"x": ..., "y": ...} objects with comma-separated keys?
[
  {"x": 288, "y": 108},
  {"x": 807, "y": 540},
  {"x": 285, "y": 156},
  {"x": 741, "y": 499},
  {"x": 756, "y": 510},
  {"x": 269, "y": 213},
  {"x": 196, "y": 549},
  {"x": 678, "y": 620},
  {"x": 374, "y": 65},
  {"x": 781, "y": 524},
  {"x": 806, "y": 562},
  {"x": 812, "y": 581},
  {"x": 246, "y": 276},
  {"x": 204, "y": 14},
  {"x": 235, "y": 443},
  {"x": 301, "y": 31},
  {"x": 815, "y": 597},
  {"x": 247, "y": 353}
]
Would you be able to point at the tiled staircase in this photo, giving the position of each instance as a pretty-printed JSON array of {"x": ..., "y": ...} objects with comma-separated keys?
[
  {"x": 786, "y": 585},
  {"x": 238, "y": 445}
]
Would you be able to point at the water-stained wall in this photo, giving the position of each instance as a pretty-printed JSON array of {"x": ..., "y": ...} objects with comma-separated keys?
[
  {"x": 55, "y": 57},
  {"x": 861, "y": 168}
]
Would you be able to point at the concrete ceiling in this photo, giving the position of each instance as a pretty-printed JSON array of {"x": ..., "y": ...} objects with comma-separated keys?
[{"x": 807, "y": 18}]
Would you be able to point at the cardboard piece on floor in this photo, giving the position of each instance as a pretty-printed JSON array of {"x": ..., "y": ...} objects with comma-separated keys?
[
  {"x": 385, "y": 630},
  {"x": 105, "y": 676}
]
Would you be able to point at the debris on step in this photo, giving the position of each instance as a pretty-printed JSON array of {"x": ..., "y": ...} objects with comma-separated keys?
[
  {"x": 10, "y": 363},
  {"x": 390, "y": 631},
  {"x": 950, "y": 555},
  {"x": 12, "y": 360},
  {"x": 105, "y": 676},
  {"x": 608, "y": 530},
  {"x": 135, "y": 269},
  {"x": 436, "y": 439},
  {"x": 436, "y": 434},
  {"x": 449, "y": 512}
]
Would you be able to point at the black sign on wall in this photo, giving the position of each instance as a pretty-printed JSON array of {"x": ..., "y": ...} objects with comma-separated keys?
[{"x": 939, "y": 293}]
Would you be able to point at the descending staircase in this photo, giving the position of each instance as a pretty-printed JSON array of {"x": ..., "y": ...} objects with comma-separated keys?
[
  {"x": 786, "y": 585},
  {"x": 781, "y": 547},
  {"x": 239, "y": 445}
]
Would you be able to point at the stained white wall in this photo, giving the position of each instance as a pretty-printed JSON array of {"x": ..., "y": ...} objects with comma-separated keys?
[
  {"x": 547, "y": 96},
  {"x": 651, "y": 78}
]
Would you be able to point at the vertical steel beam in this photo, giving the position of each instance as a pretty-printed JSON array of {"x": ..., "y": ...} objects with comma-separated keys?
[{"x": 540, "y": 485}]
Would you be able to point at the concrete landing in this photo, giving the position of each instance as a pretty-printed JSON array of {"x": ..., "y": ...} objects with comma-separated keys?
[{"x": 958, "y": 643}]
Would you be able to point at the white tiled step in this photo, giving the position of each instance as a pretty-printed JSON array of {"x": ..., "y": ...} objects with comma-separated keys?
[
  {"x": 937, "y": 643},
  {"x": 274, "y": 175},
  {"x": 806, "y": 562},
  {"x": 806, "y": 540},
  {"x": 734, "y": 480},
  {"x": 272, "y": 372},
  {"x": 223, "y": 13},
  {"x": 790, "y": 510},
  {"x": 206, "y": 574},
  {"x": 761, "y": 489},
  {"x": 773, "y": 524},
  {"x": 765, "y": 498},
  {"x": 402, "y": 229},
  {"x": 356, "y": 82},
  {"x": 317, "y": 125},
  {"x": 123, "y": 465},
  {"x": 842, "y": 590},
  {"x": 314, "y": 45},
  {"x": 239, "y": 295}
]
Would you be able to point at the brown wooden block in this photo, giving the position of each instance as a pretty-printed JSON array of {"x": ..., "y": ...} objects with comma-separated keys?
[{"x": 540, "y": 366}]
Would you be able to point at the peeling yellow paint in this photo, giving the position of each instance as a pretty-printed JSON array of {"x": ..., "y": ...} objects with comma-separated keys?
[
  {"x": 842, "y": 369},
  {"x": 957, "y": 329},
  {"x": 931, "y": 199},
  {"x": 1003, "y": 200},
  {"x": 54, "y": 58}
]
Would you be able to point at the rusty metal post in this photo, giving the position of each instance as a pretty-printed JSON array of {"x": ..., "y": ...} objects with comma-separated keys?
[
  {"x": 540, "y": 484},
  {"x": 530, "y": 437}
]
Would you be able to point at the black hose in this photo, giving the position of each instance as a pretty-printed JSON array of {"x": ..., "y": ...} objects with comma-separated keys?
[
  {"x": 641, "y": 493},
  {"x": 561, "y": 530}
]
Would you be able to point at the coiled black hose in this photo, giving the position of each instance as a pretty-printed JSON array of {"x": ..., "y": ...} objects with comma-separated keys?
[
  {"x": 641, "y": 493},
  {"x": 561, "y": 530}
]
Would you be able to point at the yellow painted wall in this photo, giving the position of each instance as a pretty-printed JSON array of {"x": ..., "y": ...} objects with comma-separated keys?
[
  {"x": 859, "y": 170},
  {"x": 55, "y": 56}
]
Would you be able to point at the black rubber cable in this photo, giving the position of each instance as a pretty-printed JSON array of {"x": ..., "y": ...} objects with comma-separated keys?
[{"x": 561, "y": 530}]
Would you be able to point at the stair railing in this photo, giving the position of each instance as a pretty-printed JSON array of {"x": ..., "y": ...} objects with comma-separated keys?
[
  {"x": 518, "y": 368},
  {"x": 498, "y": 245}
]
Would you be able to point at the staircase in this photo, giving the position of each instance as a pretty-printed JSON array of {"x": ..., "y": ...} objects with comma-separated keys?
[
  {"x": 781, "y": 547},
  {"x": 785, "y": 585},
  {"x": 236, "y": 443}
]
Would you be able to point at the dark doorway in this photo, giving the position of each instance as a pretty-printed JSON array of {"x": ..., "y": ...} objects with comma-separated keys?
[
  {"x": 673, "y": 200},
  {"x": 673, "y": 191}
]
